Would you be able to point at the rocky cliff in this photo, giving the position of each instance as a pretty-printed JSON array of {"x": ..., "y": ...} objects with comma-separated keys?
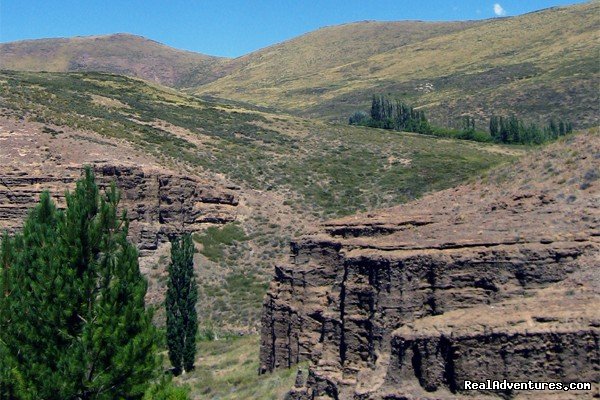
[
  {"x": 498, "y": 279},
  {"x": 160, "y": 201}
]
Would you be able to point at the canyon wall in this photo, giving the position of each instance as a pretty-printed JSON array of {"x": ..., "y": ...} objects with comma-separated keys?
[
  {"x": 498, "y": 279},
  {"x": 158, "y": 203}
]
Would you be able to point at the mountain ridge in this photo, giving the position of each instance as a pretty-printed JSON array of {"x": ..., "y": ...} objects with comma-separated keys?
[
  {"x": 121, "y": 53},
  {"x": 539, "y": 65},
  {"x": 515, "y": 58}
]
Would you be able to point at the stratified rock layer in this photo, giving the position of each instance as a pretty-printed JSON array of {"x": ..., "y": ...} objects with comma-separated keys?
[
  {"x": 494, "y": 280},
  {"x": 158, "y": 203}
]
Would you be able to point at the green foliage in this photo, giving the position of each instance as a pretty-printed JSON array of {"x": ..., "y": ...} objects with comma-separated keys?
[
  {"x": 182, "y": 294},
  {"x": 73, "y": 322},
  {"x": 392, "y": 114},
  {"x": 513, "y": 130},
  {"x": 166, "y": 390},
  {"x": 398, "y": 116},
  {"x": 359, "y": 118},
  {"x": 464, "y": 134},
  {"x": 215, "y": 239}
]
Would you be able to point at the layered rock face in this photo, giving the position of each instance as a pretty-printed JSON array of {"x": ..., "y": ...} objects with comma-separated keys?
[
  {"x": 158, "y": 203},
  {"x": 494, "y": 280}
]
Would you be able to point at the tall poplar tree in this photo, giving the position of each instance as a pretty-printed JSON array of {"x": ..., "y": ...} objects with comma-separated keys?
[
  {"x": 73, "y": 322},
  {"x": 182, "y": 295}
]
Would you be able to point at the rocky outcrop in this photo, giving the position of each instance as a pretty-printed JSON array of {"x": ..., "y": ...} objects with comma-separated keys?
[
  {"x": 158, "y": 203},
  {"x": 493, "y": 280},
  {"x": 162, "y": 204}
]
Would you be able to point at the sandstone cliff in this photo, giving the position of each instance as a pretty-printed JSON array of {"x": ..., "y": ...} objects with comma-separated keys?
[{"x": 498, "y": 279}]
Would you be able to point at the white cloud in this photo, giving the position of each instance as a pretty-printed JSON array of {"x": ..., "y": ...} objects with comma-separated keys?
[{"x": 499, "y": 11}]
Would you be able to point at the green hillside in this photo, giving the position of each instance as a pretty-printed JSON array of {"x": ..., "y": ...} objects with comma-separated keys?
[{"x": 323, "y": 168}]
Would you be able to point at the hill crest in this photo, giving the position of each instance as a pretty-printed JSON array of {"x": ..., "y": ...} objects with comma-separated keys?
[
  {"x": 120, "y": 53},
  {"x": 539, "y": 65}
]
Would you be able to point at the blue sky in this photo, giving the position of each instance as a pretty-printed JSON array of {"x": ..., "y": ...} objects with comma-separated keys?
[{"x": 230, "y": 27}]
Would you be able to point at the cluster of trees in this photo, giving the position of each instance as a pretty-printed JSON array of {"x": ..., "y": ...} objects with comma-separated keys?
[
  {"x": 392, "y": 114},
  {"x": 513, "y": 130},
  {"x": 73, "y": 320}
]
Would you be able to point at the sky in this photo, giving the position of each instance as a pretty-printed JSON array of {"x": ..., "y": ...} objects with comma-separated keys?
[{"x": 231, "y": 28}]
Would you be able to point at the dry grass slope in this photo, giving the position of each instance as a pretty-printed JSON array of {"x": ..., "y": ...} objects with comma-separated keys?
[
  {"x": 538, "y": 65},
  {"x": 227, "y": 369},
  {"x": 310, "y": 55}
]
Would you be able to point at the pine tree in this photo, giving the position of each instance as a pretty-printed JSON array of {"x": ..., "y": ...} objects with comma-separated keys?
[
  {"x": 182, "y": 294},
  {"x": 73, "y": 323}
]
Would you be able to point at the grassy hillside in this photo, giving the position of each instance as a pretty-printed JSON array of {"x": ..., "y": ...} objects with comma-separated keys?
[
  {"x": 309, "y": 55},
  {"x": 537, "y": 65},
  {"x": 292, "y": 172},
  {"x": 227, "y": 369},
  {"x": 329, "y": 169},
  {"x": 121, "y": 54}
]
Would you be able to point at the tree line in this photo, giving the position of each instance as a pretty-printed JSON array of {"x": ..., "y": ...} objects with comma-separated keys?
[
  {"x": 513, "y": 130},
  {"x": 392, "y": 114},
  {"x": 73, "y": 319},
  {"x": 388, "y": 113}
]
